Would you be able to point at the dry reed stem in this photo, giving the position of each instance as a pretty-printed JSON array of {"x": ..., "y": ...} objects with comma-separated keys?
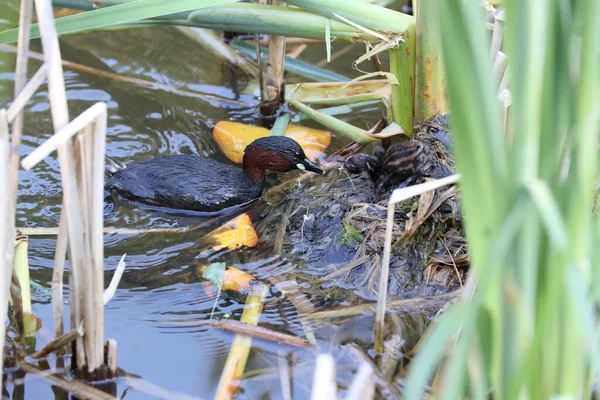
[
  {"x": 397, "y": 196},
  {"x": 259, "y": 332},
  {"x": 500, "y": 65},
  {"x": 383, "y": 280},
  {"x": 285, "y": 379},
  {"x": 497, "y": 35},
  {"x": 324, "y": 386},
  {"x": 378, "y": 377},
  {"x": 57, "y": 276},
  {"x": 63, "y": 136},
  {"x": 238, "y": 355},
  {"x": 5, "y": 260},
  {"x": 277, "y": 60},
  {"x": 296, "y": 51},
  {"x": 9, "y": 164},
  {"x": 97, "y": 151},
  {"x": 82, "y": 179},
  {"x": 114, "y": 282},
  {"x": 76, "y": 316},
  {"x": 275, "y": 73},
  {"x": 28, "y": 91},
  {"x": 78, "y": 389},
  {"x": 59, "y": 342},
  {"x": 362, "y": 387},
  {"x": 111, "y": 359}
]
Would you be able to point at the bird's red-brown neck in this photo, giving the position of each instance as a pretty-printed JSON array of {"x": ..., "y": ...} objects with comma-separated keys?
[{"x": 257, "y": 161}]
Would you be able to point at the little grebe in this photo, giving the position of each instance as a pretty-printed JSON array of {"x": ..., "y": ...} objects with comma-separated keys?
[
  {"x": 395, "y": 165},
  {"x": 189, "y": 182}
]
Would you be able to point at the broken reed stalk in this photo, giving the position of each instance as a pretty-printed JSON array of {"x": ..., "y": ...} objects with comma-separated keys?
[
  {"x": 285, "y": 376},
  {"x": 383, "y": 280},
  {"x": 238, "y": 355},
  {"x": 273, "y": 81},
  {"x": 324, "y": 386},
  {"x": 79, "y": 253},
  {"x": 89, "y": 161},
  {"x": 362, "y": 387},
  {"x": 9, "y": 165},
  {"x": 81, "y": 226},
  {"x": 114, "y": 282},
  {"x": 77, "y": 388},
  {"x": 397, "y": 196},
  {"x": 28, "y": 91},
  {"x": 387, "y": 388},
  {"x": 59, "y": 342},
  {"x": 501, "y": 69},
  {"x": 28, "y": 322},
  {"x": 258, "y": 332},
  {"x": 58, "y": 275}
]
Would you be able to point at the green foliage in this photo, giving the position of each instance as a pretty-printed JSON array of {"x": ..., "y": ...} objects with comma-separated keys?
[
  {"x": 531, "y": 328},
  {"x": 350, "y": 234},
  {"x": 117, "y": 14},
  {"x": 215, "y": 273}
]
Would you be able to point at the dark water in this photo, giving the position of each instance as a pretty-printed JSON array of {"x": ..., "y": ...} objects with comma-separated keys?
[{"x": 161, "y": 294}]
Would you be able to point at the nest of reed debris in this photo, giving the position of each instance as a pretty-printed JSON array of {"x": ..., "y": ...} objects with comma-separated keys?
[{"x": 333, "y": 229}]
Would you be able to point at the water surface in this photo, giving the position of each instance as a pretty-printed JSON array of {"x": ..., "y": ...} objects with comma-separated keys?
[{"x": 162, "y": 295}]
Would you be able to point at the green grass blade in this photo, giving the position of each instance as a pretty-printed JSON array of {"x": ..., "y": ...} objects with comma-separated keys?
[
  {"x": 350, "y": 131},
  {"x": 362, "y": 13},
  {"x": 549, "y": 211},
  {"x": 402, "y": 65},
  {"x": 424, "y": 363},
  {"x": 273, "y": 20},
  {"x": 119, "y": 14},
  {"x": 280, "y": 125},
  {"x": 478, "y": 141}
]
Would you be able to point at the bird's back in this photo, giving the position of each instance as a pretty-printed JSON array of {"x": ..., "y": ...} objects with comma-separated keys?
[{"x": 185, "y": 182}]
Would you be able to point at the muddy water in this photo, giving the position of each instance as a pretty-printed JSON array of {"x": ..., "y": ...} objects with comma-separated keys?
[{"x": 161, "y": 297}]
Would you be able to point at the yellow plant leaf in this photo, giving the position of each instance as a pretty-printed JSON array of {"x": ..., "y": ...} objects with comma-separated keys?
[
  {"x": 233, "y": 279},
  {"x": 233, "y": 137},
  {"x": 234, "y": 234},
  {"x": 313, "y": 141}
]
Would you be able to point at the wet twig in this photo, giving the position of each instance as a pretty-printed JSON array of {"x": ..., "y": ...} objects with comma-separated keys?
[
  {"x": 404, "y": 304},
  {"x": 285, "y": 220},
  {"x": 259, "y": 332},
  {"x": 59, "y": 342},
  {"x": 352, "y": 264},
  {"x": 77, "y": 388}
]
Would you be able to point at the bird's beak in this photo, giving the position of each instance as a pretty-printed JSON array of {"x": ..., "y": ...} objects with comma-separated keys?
[{"x": 307, "y": 165}]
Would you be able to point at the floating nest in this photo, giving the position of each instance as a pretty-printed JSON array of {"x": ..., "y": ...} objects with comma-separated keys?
[{"x": 333, "y": 229}]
